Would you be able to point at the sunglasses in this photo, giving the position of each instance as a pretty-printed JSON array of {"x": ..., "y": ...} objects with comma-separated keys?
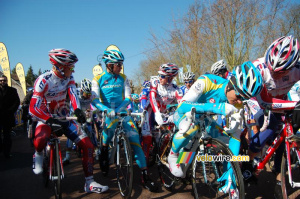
[
  {"x": 164, "y": 76},
  {"x": 119, "y": 64},
  {"x": 189, "y": 82},
  {"x": 3, "y": 80},
  {"x": 71, "y": 68}
]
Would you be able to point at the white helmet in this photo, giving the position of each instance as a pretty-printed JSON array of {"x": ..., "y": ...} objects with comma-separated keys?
[
  {"x": 188, "y": 76},
  {"x": 86, "y": 85},
  {"x": 217, "y": 67}
]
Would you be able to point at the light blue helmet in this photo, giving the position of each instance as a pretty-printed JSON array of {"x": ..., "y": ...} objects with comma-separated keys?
[
  {"x": 112, "y": 56},
  {"x": 247, "y": 80},
  {"x": 135, "y": 96}
]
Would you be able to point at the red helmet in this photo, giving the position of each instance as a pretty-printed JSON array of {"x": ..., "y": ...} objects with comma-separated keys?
[
  {"x": 168, "y": 69},
  {"x": 62, "y": 57}
]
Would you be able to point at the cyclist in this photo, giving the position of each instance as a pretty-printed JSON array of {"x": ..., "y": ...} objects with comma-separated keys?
[
  {"x": 162, "y": 93},
  {"x": 85, "y": 104},
  {"x": 189, "y": 79},
  {"x": 112, "y": 93},
  {"x": 49, "y": 97},
  {"x": 144, "y": 96},
  {"x": 280, "y": 71},
  {"x": 211, "y": 93},
  {"x": 219, "y": 68},
  {"x": 134, "y": 106}
]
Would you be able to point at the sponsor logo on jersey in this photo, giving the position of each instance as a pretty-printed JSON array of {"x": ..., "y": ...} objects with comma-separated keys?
[
  {"x": 212, "y": 100},
  {"x": 112, "y": 86}
]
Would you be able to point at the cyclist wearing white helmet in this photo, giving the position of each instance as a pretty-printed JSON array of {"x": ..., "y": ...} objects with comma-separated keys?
[
  {"x": 162, "y": 93},
  {"x": 112, "y": 93},
  {"x": 85, "y": 103},
  {"x": 219, "y": 68},
  {"x": 189, "y": 79},
  {"x": 49, "y": 97},
  {"x": 280, "y": 71}
]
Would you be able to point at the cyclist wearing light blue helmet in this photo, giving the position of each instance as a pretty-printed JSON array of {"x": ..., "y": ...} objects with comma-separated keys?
[
  {"x": 134, "y": 106},
  {"x": 111, "y": 91},
  {"x": 211, "y": 93}
]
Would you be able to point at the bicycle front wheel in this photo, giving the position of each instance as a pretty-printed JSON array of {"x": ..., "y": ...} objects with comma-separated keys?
[
  {"x": 57, "y": 172},
  {"x": 290, "y": 190},
  {"x": 164, "y": 147},
  {"x": 124, "y": 166},
  {"x": 208, "y": 177},
  {"x": 46, "y": 163}
]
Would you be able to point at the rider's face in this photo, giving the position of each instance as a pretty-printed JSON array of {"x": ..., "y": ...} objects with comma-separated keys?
[
  {"x": 163, "y": 79},
  {"x": 68, "y": 70},
  {"x": 233, "y": 98},
  {"x": 188, "y": 83},
  {"x": 116, "y": 67}
]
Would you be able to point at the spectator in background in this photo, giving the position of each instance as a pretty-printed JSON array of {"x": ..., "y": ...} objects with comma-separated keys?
[
  {"x": 9, "y": 103},
  {"x": 25, "y": 108}
]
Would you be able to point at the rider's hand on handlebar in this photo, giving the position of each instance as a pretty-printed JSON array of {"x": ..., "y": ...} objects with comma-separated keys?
[
  {"x": 158, "y": 118},
  {"x": 52, "y": 121},
  {"x": 80, "y": 116}
]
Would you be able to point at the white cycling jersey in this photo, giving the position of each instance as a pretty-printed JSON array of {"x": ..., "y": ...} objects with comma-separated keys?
[
  {"x": 275, "y": 91},
  {"x": 278, "y": 88},
  {"x": 162, "y": 95}
]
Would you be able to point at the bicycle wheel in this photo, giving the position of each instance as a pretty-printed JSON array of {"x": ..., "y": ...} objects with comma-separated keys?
[
  {"x": 46, "y": 163},
  {"x": 164, "y": 147},
  {"x": 152, "y": 153},
  {"x": 57, "y": 172},
  {"x": 124, "y": 166},
  {"x": 205, "y": 174},
  {"x": 287, "y": 190}
]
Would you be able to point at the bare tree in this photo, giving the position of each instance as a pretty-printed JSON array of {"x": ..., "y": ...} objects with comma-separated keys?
[{"x": 233, "y": 30}]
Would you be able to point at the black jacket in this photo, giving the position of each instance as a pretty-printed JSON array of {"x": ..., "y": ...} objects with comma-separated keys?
[{"x": 9, "y": 103}]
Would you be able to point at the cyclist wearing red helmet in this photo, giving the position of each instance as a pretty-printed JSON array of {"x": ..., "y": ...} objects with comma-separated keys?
[
  {"x": 162, "y": 93},
  {"x": 49, "y": 97}
]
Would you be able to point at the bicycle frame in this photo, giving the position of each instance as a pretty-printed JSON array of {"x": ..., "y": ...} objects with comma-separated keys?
[{"x": 285, "y": 133}]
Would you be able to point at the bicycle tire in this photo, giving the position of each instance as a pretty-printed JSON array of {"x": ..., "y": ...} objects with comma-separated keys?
[
  {"x": 164, "y": 147},
  {"x": 46, "y": 163},
  {"x": 57, "y": 171},
  {"x": 286, "y": 188},
  {"x": 125, "y": 167},
  {"x": 205, "y": 174},
  {"x": 152, "y": 153}
]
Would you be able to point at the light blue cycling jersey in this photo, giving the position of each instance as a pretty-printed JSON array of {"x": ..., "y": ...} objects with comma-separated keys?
[
  {"x": 112, "y": 91},
  {"x": 294, "y": 93},
  {"x": 207, "y": 92}
]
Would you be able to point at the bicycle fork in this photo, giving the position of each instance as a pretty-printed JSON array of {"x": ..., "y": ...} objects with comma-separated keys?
[
  {"x": 52, "y": 151},
  {"x": 202, "y": 151}
]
